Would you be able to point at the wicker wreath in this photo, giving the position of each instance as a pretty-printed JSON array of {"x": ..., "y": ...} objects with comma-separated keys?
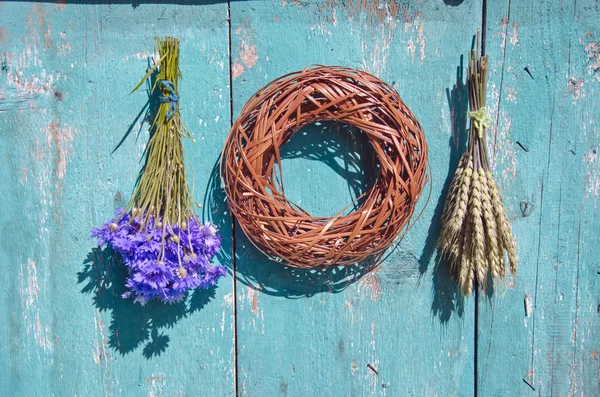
[{"x": 251, "y": 160}]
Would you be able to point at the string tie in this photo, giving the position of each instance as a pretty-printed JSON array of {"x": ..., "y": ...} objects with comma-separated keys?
[
  {"x": 172, "y": 98},
  {"x": 480, "y": 120}
]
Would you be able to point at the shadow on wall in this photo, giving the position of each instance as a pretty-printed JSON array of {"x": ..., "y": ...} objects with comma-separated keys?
[
  {"x": 447, "y": 297},
  {"x": 453, "y": 3},
  {"x": 345, "y": 150},
  {"x": 133, "y": 325},
  {"x": 144, "y": 117},
  {"x": 104, "y": 275}
]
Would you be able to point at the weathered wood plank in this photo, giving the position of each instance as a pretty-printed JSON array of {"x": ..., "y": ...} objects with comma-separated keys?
[
  {"x": 314, "y": 333},
  {"x": 65, "y": 72},
  {"x": 538, "y": 334}
]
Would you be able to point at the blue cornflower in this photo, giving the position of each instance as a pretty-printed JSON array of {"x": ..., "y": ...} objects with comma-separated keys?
[{"x": 161, "y": 266}]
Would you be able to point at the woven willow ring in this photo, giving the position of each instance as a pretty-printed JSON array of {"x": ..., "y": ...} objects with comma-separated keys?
[{"x": 251, "y": 167}]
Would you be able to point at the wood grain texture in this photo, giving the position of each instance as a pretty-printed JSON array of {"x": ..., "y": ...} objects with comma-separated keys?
[
  {"x": 538, "y": 334},
  {"x": 66, "y": 74},
  {"x": 315, "y": 333}
]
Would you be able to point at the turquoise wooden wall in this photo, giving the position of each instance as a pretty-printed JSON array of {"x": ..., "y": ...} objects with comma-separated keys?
[{"x": 402, "y": 330}]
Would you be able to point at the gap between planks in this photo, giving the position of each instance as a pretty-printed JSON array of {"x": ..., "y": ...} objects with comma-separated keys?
[
  {"x": 476, "y": 311},
  {"x": 233, "y": 244}
]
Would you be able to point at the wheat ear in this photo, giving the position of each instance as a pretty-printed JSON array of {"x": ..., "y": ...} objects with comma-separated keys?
[
  {"x": 494, "y": 250},
  {"x": 445, "y": 241},
  {"x": 505, "y": 229},
  {"x": 454, "y": 189},
  {"x": 465, "y": 278},
  {"x": 478, "y": 234},
  {"x": 460, "y": 210}
]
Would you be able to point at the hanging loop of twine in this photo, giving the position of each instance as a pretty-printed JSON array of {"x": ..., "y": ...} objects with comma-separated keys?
[
  {"x": 172, "y": 98},
  {"x": 480, "y": 120}
]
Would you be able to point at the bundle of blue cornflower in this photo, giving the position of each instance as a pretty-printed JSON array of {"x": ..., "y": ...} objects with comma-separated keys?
[{"x": 165, "y": 247}]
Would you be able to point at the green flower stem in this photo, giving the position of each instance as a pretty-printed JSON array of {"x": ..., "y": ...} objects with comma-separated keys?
[{"x": 162, "y": 190}]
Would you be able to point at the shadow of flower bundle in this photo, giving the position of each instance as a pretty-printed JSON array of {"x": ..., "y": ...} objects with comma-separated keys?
[{"x": 133, "y": 325}]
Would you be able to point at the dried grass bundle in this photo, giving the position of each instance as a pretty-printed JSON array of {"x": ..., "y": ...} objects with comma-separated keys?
[{"x": 475, "y": 229}]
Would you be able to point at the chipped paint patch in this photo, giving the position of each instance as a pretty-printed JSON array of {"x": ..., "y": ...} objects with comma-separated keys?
[
  {"x": 377, "y": 12},
  {"x": 156, "y": 383},
  {"x": 100, "y": 349},
  {"x": 376, "y": 21},
  {"x": 41, "y": 333},
  {"x": 503, "y": 31},
  {"x": 253, "y": 300},
  {"x": 511, "y": 95},
  {"x": 34, "y": 84},
  {"x": 154, "y": 57},
  {"x": 529, "y": 377},
  {"x": 216, "y": 58},
  {"x": 33, "y": 287},
  {"x": 30, "y": 294},
  {"x": 223, "y": 322},
  {"x": 528, "y": 305},
  {"x": 59, "y": 136},
  {"x": 61, "y": 5},
  {"x": 228, "y": 298},
  {"x": 592, "y": 49},
  {"x": 376, "y": 53},
  {"x": 237, "y": 69},
  {"x": 156, "y": 378},
  {"x": 37, "y": 22},
  {"x": 576, "y": 88},
  {"x": 371, "y": 286},
  {"x": 504, "y": 156},
  {"x": 64, "y": 47},
  {"x": 592, "y": 184},
  {"x": 248, "y": 54},
  {"x": 142, "y": 55},
  {"x": 247, "y": 48},
  {"x": 514, "y": 35},
  {"x": 528, "y": 308},
  {"x": 4, "y": 33},
  {"x": 411, "y": 49},
  {"x": 24, "y": 176},
  {"x": 508, "y": 31},
  {"x": 416, "y": 27},
  {"x": 422, "y": 41}
]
